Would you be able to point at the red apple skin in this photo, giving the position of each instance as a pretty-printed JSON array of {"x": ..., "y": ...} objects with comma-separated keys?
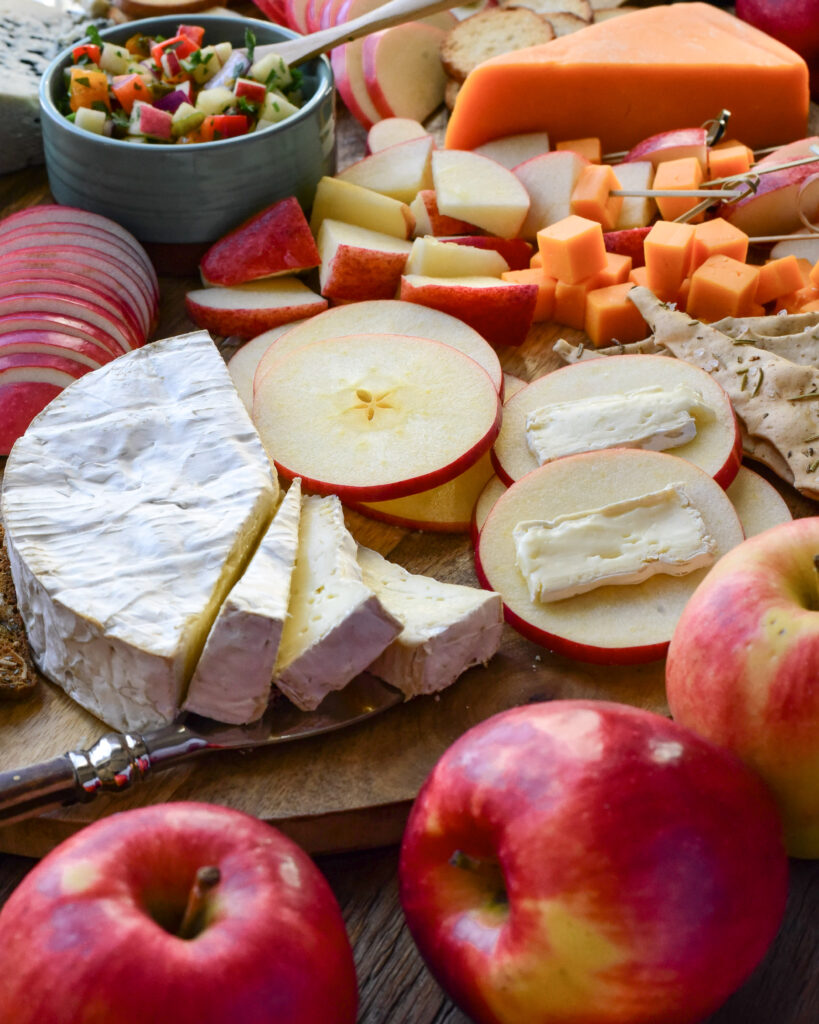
[
  {"x": 743, "y": 667},
  {"x": 79, "y": 942},
  {"x": 643, "y": 868},
  {"x": 516, "y": 251},
  {"x": 277, "y": 240},
  {"x": 247, "y": 323},
  {"x": 628, "y": 242},
  {"x": 19, "y": 404}
]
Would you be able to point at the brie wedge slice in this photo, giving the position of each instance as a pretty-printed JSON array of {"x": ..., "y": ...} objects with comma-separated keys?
[
  {"x": 132, "y": 505},
  {"x": 625, "y": 542},
  {"x": 654, "y": 418},
  {"x": 336, "y": 625},
  {"x": 232, "y": 680},
  {"x": 447, "y": 627}
]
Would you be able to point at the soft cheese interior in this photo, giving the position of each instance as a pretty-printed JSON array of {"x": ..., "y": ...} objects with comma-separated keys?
[{"x": 132, "y": 505}]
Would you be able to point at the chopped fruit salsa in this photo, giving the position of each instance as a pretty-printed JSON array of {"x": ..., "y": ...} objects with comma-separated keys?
[{"x": 177, "y": 90}]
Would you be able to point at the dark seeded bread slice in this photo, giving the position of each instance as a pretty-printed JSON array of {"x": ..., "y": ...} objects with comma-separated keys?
[{"x": 488, "y": 34}]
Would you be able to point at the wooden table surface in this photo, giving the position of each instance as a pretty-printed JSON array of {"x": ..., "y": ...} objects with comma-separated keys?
[{"x": 394, "y": 985}]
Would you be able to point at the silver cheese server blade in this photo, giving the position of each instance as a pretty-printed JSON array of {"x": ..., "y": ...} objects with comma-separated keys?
[{"x": 119, "y": 760}]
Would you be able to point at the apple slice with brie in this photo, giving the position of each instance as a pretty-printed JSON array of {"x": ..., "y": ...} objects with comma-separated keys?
[
  {"x": 630, "y": 401},
  {"x": 569, "y": 547},
  {"x": 375, "y": 416}
]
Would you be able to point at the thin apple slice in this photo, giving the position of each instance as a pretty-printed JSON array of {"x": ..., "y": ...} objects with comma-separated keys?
[
  {"x": 32, "y": 320},
  {"x": 55, "y": 304},
  {"x": 492, "y": 490},
  {"x": 437, "y": 258},
  {"x": 479, "y": 190},
  {"x": 671, "y": 145},
  {"x": 716, "y": 447},
  {"x": 353, "y": 204},
  {"x": 403, "y": 71},
  {"x": 384, "y": 316},
  {"x": 759, "y": 504},
  {"x": 244, "y": 361},
  {"x": 56, "y": 343},
  {"x": 616, "y": 624},
  {"x": 549, "y": 181},
  {"x": 511, "y": 150},
  {"x": 392, "y": 130},
  {"x": 501, "y": 311},
  {"x": 248, "y": 309},
  {"x": 296, "y": 14},
  {"x": 357, "y": 263},
  {"x": 376, "y": 416},
  {"x": 275, "y": 241},
  {"x": 348, "y": 68},
  {"x": 400, "y": 171}
]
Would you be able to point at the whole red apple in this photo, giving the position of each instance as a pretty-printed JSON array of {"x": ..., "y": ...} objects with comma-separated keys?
[
  {"x": 793, "y": 22},
  {"x": 98, "y": 931},
  {"x": 583, "y": 861},
  {"x": 743, "y": 667}
]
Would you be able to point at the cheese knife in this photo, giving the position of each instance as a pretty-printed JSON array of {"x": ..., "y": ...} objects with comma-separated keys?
[{"x": 117, "y": 761}]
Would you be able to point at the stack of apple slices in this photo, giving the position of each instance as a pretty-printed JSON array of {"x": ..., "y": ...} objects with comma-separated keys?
[{"x": 76, "y": 291}]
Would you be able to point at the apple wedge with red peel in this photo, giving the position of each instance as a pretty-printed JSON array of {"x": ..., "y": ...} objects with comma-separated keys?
[
  {"x": 275, "y": 241},
  {"x": 403, "y": 71},
  {"x": 759, "y": 504},
  {"x": 671, "y": 145},
  {"x": 511, "y": 150},
  {"x": 479, "y": 190},
  {"x": 246, "y": 310},
  {"x": 516, "y": 251},
  {"x": 549, "y": 181},
  {"x": 400, "y": 171},
  {"x": 384, "y": 316},
  {"x": 615, "y": 624},
  {"x": 54, "y": 304},
  {"x": 348, "y": 69},
  {"x": 353, "y": 204},
  {"x": 443, "y": 509},
  {"x": 357, "y": 263},
  {"x": 628, "y": 242},
  {"x": 375, "y": 416},
  {"x": 716, "y": 445},
  {"x": 430, "y": 221},
  {"x": 392, "y": 130},
  {"x": 434, "y": 257},
  {"x": 56, "y": 343},
  {"x": 501, "y": 311}
]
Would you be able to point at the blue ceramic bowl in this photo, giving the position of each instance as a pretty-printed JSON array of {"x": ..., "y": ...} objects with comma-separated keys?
[{"x": 190, "y": 194}]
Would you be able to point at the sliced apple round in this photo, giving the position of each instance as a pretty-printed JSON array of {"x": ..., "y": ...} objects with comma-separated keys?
[
  {"x": 716, "y": 447},
  {"x": 758, "y": 503},
  {"x": 376, "y": 416},
  {"x": 385, "y": 316},
  {"x": 614, "y": 624},
  {"x": 392, "y": 130},
  {"x": 244, "y": 361},
  {"x": 54, "y": 304},
  {"x": 32, "y": 320},
  {"x": 403, "y": 71},
  {"x": 56, "y": 343},
  {"x": 493, "y": 489}
]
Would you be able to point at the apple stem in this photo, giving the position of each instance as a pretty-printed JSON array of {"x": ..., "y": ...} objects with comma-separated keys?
[{"x": 207, "y": 878}]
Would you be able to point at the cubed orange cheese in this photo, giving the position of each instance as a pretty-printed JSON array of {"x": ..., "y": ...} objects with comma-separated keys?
[
  {"x": 810, "y": 307},
  {"x": 805, "y": 267},
  {"x": 639, "y": 275},
  {"x": 616, "y": 271},
  {"x": 718, "y": 238},
  {"x": 778, "y": 277},
  {"x": 589, "y": 148},
  {"x": 570, "y": 304},
  {"x": 682, "y": 294},
  {"x": 627, "y": 78},
  {"x": 728, "y": 159},
  {"x": 795, "y": 302},
  {"x": 612, "y": 317},
  {"x": 684, "y": 173},
  {"x": 813, "y": 275},
  {"x": 722, "y": 287},
  {"x": 536, "y": 260},
  {"x": 545, "y": 305},
  {"x": 592, "y": 198},
  {"x": 572, "y": 249},
  {"x": 668, "y": 249}
]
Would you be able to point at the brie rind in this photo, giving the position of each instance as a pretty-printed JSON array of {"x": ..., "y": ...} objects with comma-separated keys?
[
  {"x": 336, "y": 625},
  {"x": 447, "y": 627},
  {"x": 132, "y": 504},
  {"x": 653, "y": 418},
  {"x": 624, "y": 542},
  {"x": 233, "y": 677}
]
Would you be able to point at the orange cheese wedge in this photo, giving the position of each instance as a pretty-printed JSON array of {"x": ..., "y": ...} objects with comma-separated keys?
[{"x": 627, "y": 78}]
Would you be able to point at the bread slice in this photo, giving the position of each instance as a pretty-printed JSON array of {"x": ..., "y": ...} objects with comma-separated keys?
[
  {"x": 489, "y": 33},
  {"x": 581, "y": 9}
]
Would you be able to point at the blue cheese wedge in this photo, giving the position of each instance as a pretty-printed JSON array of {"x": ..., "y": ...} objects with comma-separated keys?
[
  {"x": 654, "y": 418},
  {"x": 132, "y": 504},
  {"x": 232, "y": 680},
  {"x": 447, "y": 628},
  {"x": 336, "y": 625},
  {"x": 621, "y": 543}
]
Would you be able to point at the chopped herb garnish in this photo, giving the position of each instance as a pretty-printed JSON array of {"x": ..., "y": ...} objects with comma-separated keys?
[
  {"x": 804, "y": 398},
  {"x": 93, "y": 34},
  {"x": 758, "y": 384},
  {"x": 250, "y": 43},
  {"x": 83, "y": 81},
  {"x": 813, "y": 466},
  {"x": 245, "y": 106}
]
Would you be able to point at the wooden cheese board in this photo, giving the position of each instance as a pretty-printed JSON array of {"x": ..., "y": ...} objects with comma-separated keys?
[{"x": 351, "y": 789}]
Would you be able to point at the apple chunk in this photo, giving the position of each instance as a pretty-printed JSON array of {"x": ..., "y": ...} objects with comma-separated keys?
[
  {"x": 375, "y": 416},
  {"x": 430, "y": 221},
  {"x": 248, "y": 309},
  {"x": 716, "y": 444},
  {"x": 392, "y": 130},
  {"x": 479, "y": 190},
  {"x": 671, "y": 145},
  {"x": 759, "y": 504},
  {"x": 511, "y": 150},
  {"x": 549, "y": 181},
  {"x": 403, "y": 70},
  {"x": 357, "y": 263},
  {"x": 400, "y": 171},
  {"x": 438, "y": 258},
  {"x": 615, "y": 624},
  {"x": 353, "y": 204}
]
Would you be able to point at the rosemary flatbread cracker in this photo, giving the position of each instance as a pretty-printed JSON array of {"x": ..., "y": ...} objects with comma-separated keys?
[
  {"x": 577, "y": 353},
  {"x": 777, "y": 400},
  {"x": 777, "y": 325}
]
